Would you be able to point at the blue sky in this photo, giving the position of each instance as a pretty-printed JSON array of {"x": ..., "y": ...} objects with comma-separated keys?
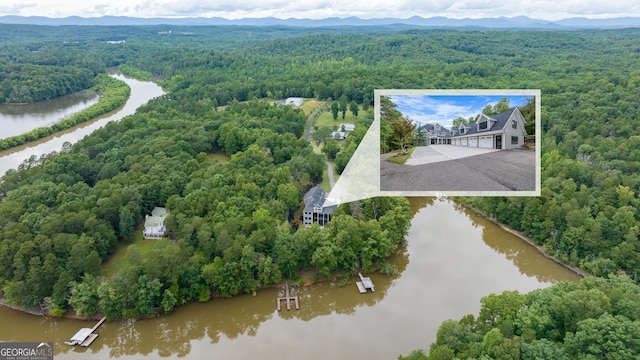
[
  {"x": 443, "y": 109},
  {"x": 318, "y": 9}
]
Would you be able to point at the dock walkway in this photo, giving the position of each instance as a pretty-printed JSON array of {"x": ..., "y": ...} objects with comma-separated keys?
[
  {"x": 364, "y": 284},
  {"x": 85, "y": 336},
  {"x": 287, "y": 298}
]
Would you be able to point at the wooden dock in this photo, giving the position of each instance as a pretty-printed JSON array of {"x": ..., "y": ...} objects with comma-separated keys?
[
  {"x": 85, "y": 336},
  {"x": 91, "y": 338},
  {"x": 98, "y": 324},
  {"x": 287, "y": 298},
  {"x": 364, "y": 284}
]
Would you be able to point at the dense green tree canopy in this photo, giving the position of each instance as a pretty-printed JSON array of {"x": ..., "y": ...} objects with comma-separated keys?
[
  {"x": 590, "y": 320},
  {"x": 230, "y": 220}
]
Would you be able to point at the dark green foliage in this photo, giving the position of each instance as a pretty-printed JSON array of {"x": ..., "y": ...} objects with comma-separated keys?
[
  {"x": 564, "y": 321},
  {"x": 229, "y": 220},
  {"x": 91, "y": 194},
  {"x": 388, "y": 115},
  {"x": 113, "y": 93},
  {"x": 23, "y": 83}
]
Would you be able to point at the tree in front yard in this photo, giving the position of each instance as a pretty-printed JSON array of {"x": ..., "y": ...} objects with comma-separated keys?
[{"x": 403, "y": 132}]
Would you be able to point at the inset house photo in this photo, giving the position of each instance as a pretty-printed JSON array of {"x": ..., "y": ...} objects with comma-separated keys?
[{"x": 459, "y": 142}]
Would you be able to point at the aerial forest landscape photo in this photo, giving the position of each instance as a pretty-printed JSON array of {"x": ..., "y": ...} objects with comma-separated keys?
[{"x": 162, "y": 191}]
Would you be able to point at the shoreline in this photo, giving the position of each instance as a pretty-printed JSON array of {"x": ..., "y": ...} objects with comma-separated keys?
[
  {"x": 522, "y": 236},
  {"x": 97, "y": 316},
  {"x": 306, "y": 281},
  {"x": 109, "y": 89}
]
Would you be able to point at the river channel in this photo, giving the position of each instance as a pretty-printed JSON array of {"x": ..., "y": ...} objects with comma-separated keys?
[
  {"x": 19, "y": 119},
  {"x": 141, "y": 93},
  {"x": 451, "y": 259}
]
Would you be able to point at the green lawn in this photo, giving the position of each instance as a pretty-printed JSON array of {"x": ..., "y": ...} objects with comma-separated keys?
[
  {"x": 219, "y": 156},
  {"x": 325, "y": 185},
  {"x": 317, "y": 148},
  {"x": 119, "y": 257},
  {"x": 310, "y": 105},
  {"x": 401, "y": 159},
  {"x": 326, "y": 119}
]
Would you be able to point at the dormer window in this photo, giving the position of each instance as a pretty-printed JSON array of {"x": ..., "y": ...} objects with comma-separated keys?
[{"x": 483, "y": 125}]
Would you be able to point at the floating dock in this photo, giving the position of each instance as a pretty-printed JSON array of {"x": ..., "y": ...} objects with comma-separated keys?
[
  {"x": 364, "y": 284},
  {"x": 85, "y": 336},
  {"x": 287, "y": 298}
]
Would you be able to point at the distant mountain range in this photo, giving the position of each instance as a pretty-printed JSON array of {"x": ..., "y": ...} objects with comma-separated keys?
[{"x": 416, "y": 21}]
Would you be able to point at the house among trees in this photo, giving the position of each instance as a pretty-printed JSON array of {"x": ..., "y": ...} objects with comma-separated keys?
[
  {"x": 435, "y": 134},
  {"x": 343, "y": 131},
  {"x": 338, "y": 135},
  {"x": 294, "y": 101},
  {"x": 504, "y": 130},
  {"x": 313, "y": 209},
  {"x": 347, "y": 127},
  {"x": 154, "y": 224}
]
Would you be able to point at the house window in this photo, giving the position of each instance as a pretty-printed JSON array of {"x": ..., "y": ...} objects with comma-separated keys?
[
  {"x": 514, "y": 124},
  {"x": 483, "y": 125},
  {"x": 514, "y": 140}
]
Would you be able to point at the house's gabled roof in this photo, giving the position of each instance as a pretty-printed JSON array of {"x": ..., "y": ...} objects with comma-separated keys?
[
  {"x": 295, "y": 101},
  {"x": 338, "y": 135},
  {"x": 431, "y": 128},
  {"x": 314, "y": 199},
  {"x": 501, "y": 120},
  {"x": 156, "y": 218},
  {"x": 159, "y": 211},
  {"x": 347, "y": 127}
]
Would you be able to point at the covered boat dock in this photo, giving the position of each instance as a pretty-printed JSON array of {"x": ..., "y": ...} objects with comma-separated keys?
[{"x": 85, "y": 336}]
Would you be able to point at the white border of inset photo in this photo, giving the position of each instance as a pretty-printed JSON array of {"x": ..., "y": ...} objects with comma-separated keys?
[
  {"x": 431, "y": 165},
  {"x": 361, "y": 177}
]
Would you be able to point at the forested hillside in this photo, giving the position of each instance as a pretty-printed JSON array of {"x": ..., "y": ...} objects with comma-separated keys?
[
  {"x": 596, "y": 319},
  {"x": 229, "y": 220}
]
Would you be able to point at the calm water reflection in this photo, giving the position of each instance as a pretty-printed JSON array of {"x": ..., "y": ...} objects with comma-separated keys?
[
  {"x": 141, "y": 93},
  {"x": 19, "y": 119},
  {"x": 452, "y": 259}
]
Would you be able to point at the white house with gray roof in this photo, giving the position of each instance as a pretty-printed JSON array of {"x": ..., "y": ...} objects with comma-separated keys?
[
  {"x": 313, "y": 209},
  {"x": 435, "y": 134},
  {"x": 504, "y": 130},
  {"x": 154, "y": 224}
]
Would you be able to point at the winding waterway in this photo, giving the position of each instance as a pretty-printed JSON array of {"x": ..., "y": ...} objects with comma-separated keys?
[
  {"x": 452, "y": 258},
  {"x": 19, "y": 119},
  {"x": 141, "y": 93}
]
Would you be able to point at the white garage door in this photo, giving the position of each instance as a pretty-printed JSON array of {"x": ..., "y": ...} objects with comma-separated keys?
[
  {"x": 486, "y": 142},
  {"x": 473, "y": 141}
]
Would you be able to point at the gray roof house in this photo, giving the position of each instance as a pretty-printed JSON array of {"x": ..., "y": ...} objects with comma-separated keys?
[
  {"x": 343, "y": 131},
  {"x": 436, "y": 134},
  {"x": 154, "y": 224},
  {"x": 294, "y": 101},
  {"x": 338, "y": 135},
  {"x": 313, "y": 209},
  {"x": 347, "y": 127},
  {"x": 500, "y": 131}
]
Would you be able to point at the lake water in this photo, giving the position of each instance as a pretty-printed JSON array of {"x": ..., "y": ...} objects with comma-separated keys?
[
  {"x": 141, "y": 93},
  {"x": 452, "y": 258},
  {"x": 20, "y": 119}
]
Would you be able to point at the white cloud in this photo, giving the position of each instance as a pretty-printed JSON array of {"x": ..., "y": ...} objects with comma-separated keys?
[
  {"x": 542, "y": 9},
  {"x": 425, "y": 109}
]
